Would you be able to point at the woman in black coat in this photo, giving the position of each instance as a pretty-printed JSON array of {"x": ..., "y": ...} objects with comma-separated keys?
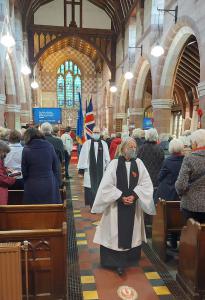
[
  {"x": 39, "y": 169},
  {"x": 170, "y": 171}
]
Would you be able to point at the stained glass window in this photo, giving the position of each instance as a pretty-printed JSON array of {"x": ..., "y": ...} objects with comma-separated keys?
[{"x": 69, "y": 84}]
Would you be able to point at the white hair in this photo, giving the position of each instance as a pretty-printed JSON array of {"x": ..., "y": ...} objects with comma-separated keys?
[
  {"x": 198, "y": 137},
  {"x": 186, "y": 133},
  {"x": 125, "y": 142},
  {"x": 176, "y": 146},
  {"x": 186, "y": 140},
  {"x": 138, "y": 133},
  {"x": 46, "y": 128},
  {"x": 151, "y": 135}
]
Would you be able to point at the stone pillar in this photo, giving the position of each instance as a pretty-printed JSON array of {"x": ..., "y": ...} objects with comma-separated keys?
[
  {"x": 201, "y": 91},
  {"x": 13, "y": 116},
  {"x": 110, "y": 119},
  {"x": 2, "y": 108},
  {"x": 136, "y": 117},
  {"x": 162, "y": 114},
  {"x": 26, "y": 114}
]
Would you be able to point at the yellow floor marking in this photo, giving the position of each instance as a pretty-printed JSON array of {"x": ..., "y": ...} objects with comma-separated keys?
[
  {"x": 84, "y": 242},
  {"x": 90, "y": 295},
  {"x": 152, "y": 275},
  {"x": 77, "y": 215},
  {"x": 79, "y": 235},
  {"x": 161, "y": 290},
  {"x": 87, "y": 279}
]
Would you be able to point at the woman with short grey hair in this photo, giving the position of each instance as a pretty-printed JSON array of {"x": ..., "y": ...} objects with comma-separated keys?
[
  {"x": 169, "y": 172},
  {"x": 190, "y": 184},
  {"x": 139, "y": 135}
]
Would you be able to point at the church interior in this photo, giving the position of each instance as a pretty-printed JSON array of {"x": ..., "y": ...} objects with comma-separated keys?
[{"x": 142, "y": 65}]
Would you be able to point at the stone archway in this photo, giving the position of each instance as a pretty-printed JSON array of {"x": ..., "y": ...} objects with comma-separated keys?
[
  {"x": 167, "y": 77},
  {"x": 138, "y": 93}
]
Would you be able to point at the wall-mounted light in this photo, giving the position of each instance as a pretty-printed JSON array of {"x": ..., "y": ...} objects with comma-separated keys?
[
  {"x": 34, "y": 84},
  {"x": 129, "y": 75},
  {"x": 113, "y": 88},
  {"x": 157, "y": 51},
  {"x": 7, "y": 40},
  {"x": 25, "y": 70}
]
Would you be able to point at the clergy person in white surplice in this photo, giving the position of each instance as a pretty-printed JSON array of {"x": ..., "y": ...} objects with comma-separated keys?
[
  {"x": 93, "y": 160},
  {"x": 125, "y": 192}
]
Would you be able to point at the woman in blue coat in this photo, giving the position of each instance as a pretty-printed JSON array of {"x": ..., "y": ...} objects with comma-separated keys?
[
  {"x": 39, "y": 169},
  {"x": 170, "y": 171}
]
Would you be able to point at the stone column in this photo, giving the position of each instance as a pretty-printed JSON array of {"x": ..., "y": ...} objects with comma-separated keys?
[
  {"x": 110, "y": 119},
  {"x": 136, "y": 117},
  {"x": 2, "y": 108},
  {"x": 13, "y": 116},
  {"x": 162, "y": 114},
  {"x": 201, "y": 91}
]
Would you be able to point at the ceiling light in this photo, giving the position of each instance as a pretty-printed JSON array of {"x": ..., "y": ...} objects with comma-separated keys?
[
  {"x": 25, "y": 70},
  {"x": 157, "y": 51},
  {"x": 113, "y": 89},
  {"x": 34, "y": 84},
  {"x": 128, "y": 75},
  {"x": 7, "y": 40}
]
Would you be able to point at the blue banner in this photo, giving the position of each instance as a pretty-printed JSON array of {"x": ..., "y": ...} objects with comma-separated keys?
[
  {"x": 51, "y": 115},
  {"x": 147, "y": 123}
]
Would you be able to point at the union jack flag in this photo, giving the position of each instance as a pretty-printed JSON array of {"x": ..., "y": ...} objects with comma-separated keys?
[{"x": 89, "y": 120}]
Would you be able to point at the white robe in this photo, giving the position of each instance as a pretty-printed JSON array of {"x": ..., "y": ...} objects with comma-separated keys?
[
  {"x": 84, "y": 161},
  {"x": 105, "y": 202}
]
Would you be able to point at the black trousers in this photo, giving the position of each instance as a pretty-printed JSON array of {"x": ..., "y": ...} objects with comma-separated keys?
[{"x": 197, "y": 216}]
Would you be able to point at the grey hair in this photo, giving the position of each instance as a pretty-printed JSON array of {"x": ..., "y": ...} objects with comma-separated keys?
[
  {"x": 176, "y": 146},
  {"x": 4, "y": 148},
  {"x": 46, "y": 128},
  {"x": 137, "y": 133},
  {"x": 198, "y": 137},
  {"x": 124, "y": 143},
  {"x": 151, "y": 135}
]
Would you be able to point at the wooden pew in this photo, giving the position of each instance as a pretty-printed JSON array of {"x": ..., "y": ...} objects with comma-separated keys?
[
  {"x": 168, "y": 219},
  {"x": 26, "y": 217},
  {"x": 15, "y": 197},
  {"x": 191, "y": 268},
  {"x": 47, "y": 261}
]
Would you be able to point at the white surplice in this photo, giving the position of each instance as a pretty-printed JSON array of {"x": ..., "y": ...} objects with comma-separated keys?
[
  {"x": 84, "y": 159},
  {"x": 105, "y": 202}
]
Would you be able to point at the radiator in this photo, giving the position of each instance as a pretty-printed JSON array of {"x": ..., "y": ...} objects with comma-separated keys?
[{"x": 10, "y": 271}]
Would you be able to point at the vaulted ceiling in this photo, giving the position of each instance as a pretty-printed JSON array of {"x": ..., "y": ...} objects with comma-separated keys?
[{"x": 117, "y": 10}]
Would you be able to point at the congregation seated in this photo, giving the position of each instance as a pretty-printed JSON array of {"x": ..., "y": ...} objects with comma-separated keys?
[
  {"x": 40, "y": 169},
  {"x": 14, "y": 157}
]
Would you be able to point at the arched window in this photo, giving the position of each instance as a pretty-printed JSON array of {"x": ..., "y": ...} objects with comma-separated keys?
[{"x": 69, "y": 84}]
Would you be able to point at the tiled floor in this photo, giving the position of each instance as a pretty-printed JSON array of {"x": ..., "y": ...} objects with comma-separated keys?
[{"x": 103, "y": 284}]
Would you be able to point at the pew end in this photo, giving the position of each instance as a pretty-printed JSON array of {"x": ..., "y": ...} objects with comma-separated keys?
[
  {"x": 47, "y": 260},
  {"x": 168, "y": 219},
  {"x": 191, "y": 268}
]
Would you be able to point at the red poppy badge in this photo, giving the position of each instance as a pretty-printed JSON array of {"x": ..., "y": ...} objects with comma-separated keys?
[{"x": 134, "y": 174}]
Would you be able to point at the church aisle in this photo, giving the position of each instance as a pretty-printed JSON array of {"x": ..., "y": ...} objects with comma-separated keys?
[{"x": 103, "y": 284}]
